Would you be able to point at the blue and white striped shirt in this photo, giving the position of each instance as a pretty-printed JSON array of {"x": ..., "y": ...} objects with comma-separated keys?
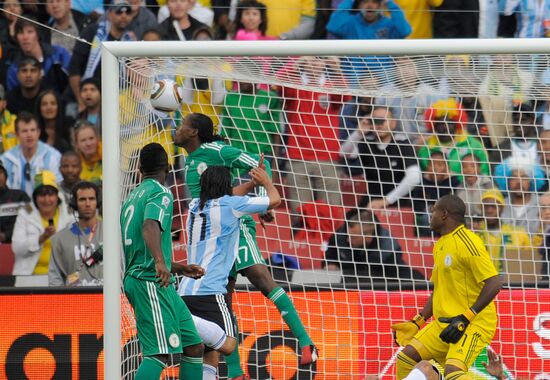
[
  {"x": 530, "y": 18},
  {"x": 213, "y": 239}
]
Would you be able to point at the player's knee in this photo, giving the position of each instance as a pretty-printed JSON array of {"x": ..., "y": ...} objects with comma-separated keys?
[
  {"x": 261, "y": 278},
  {"x": 404, "y": 364},
  {"x": 195, "y": 351},
  {"x": 228, "y": 346}
]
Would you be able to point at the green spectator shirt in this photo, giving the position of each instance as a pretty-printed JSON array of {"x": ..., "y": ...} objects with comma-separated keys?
[
  {"x": 464, "y": 145},
  {"x": 250, "y": 120},
  {"x": 218, "y": 153},
  {"x": 150, "y": 200}
]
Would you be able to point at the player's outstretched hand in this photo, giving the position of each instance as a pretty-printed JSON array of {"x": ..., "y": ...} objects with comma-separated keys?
[
  {"x": 455, "y": 330},
  {"x": 494, "y": 367},
  {"x": 163, "y": 274},
  {"x": 193, "y": 271},
  {"x": 267, "y": 217},
  {"x": 260, "y": 176},
  {"x": 404, "y": 332}
]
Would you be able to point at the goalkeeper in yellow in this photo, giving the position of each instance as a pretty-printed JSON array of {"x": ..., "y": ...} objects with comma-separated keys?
[{"x": 465, "y": 283}]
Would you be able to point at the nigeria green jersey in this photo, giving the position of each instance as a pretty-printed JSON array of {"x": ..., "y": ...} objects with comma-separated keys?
[
  {"x": 150, "y": 200},
  {"x": 218, "y": 153}
]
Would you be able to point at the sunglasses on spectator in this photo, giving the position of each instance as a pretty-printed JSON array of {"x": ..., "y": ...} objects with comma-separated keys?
[
  {"x": 378, "y": 121},
  {"x": 121, "y": 11}
]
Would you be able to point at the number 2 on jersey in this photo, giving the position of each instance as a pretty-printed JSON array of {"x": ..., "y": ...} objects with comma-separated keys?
[{"x": 128, "y": 215}]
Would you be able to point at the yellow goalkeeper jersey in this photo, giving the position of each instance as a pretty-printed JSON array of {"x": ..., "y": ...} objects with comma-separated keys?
[{"x": 461, "y": 265}]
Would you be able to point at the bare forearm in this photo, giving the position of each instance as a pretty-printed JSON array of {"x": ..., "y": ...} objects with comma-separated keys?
[
  {"x": 244, "y": 188},
  {"x": 151, "y": 236},
  {"x": 273, "y": 195},
  {"x": 488, "y": 293},
  {"x": 427, "y": 311}
]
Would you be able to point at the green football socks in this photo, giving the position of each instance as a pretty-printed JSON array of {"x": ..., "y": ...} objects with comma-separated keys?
[
  {"x": 285, "y": 306},
  {"x": 150, "y": 368},
  {"x": 190, "y": 368}
]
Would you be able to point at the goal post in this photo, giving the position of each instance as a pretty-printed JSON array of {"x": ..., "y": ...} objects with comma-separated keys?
[{"x": 113, "y": 56}]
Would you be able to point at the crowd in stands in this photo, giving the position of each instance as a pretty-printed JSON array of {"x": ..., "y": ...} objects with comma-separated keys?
[{"x": 422, "y": 142}]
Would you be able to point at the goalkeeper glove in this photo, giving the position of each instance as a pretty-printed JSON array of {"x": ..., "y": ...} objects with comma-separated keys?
[
  {"x": 404, "y": 332},
  {"x": 457, "y": 326}
]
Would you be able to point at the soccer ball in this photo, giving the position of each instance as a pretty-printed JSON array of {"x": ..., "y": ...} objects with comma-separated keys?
[{"x": 166, "y": 95}]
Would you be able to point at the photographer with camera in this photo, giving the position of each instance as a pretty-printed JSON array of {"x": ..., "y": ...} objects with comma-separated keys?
[{"x": 77, "y": 250}]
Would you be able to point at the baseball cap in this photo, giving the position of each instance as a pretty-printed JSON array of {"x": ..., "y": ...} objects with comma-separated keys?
[
  {"x": 493, "y": 194},
  {"x": 45, "y": 178},
  {"x": 120, "y": 7}
]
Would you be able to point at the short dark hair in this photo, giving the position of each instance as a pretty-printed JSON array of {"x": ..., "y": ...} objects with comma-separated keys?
[
  {"x": 153, "y": 159},
  {"x": 84, "y": 185},
  {"x": 91, "y": 81},
  {"x": 247, "y": 4},
  {"x": 454, "y": 206},
  {"x": 25, "y": 117},
  {"x": 22, "y": 23},
  {"x": 153, "y": 31},
  {"x": 70, "y": 153},
  {"x": 205, "y": 126},
  {"x": 28, "y": 60},
  {"x": 215, "y": 183}
]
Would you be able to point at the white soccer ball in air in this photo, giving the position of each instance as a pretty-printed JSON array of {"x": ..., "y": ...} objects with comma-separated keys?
[{"x": 166, "y": 95}]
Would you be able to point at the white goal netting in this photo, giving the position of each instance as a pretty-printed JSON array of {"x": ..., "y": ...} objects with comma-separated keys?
[{"x": 361, "y": 148}]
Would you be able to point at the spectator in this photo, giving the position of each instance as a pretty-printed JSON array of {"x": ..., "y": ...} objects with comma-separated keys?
[
  {"x": 85, "y": 62},
  {"x": 290, "y": 19},
  {"x": 521, "y": 208},
  {"x": 447, "y": 120},
  {"x": 531, "y": 16},
  {"x": 419, "y": 13},
  {"x": 251, "y": 21},
  {"x": 23, "y": 97},
  {"x": 312, "y": 147},
  {"x": 152, "y": 35},
  {"x": 91, "y": 8},
  {"x": 36, "y": 224},
  {"x": 474, "y": 184},
  {"x": 90, "y": 94},
  {"x": 10, "y": 203},
  {"x": 198, "y": 11},
  {"x": 70, "y": 168},
  {"x": 456, "y": 19},
  {"x": 30, "y": 156},
  {"x": 544, "y": 151},
  {"x": 7, "y": 124},
  {"x": 437, "y": 181},
  {"x": 66, "y": 20},
  {"x": 88, "y": 144},
  {"x": 544, "y": 248},
  {"x": 77, "y": 250},
  {"x": 222, "y": 23},
  {"x": 250, "y": 119},
  {"x": 180, "y": 25},
  {"x": 498, "y": 235},
  {"x": 204, "y": 95},
  {"x": 54, "y": 59},
  {"x": 54, "y": 126},
  {"x": 523, "y": 141},
  {"x": 409, "y": 97},
  {"x": 365, "y": 251},
  {"x": 142, "y": 18},
  {"x": 388, "y": 160},
  {"x": 8, "y": 42},
  {"x": 365, "y": 20},
  {"x": 504, "y": 85},
  {"x": 352, "y": 112}
]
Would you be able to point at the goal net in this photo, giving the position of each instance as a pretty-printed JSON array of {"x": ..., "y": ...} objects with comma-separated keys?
[{"x": 361, "y": 147}]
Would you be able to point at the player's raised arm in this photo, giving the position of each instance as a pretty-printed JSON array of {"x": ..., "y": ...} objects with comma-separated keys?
[
  {"x": 260, "y": 176},
  {"x": 151, "y": 236}
]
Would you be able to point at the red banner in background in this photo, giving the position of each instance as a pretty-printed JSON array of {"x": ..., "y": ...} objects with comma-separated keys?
[{"x": 45, "y": 336}]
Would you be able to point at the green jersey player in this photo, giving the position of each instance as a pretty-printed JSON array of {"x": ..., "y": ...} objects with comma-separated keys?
[
  {"x": 204, "y": 148},
  {"x": 164, "y": 323}
]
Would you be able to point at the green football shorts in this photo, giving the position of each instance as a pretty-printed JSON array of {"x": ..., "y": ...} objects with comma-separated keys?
[
  {"x": 249, "y": 252},
  {"x": 164, "y": 323}
]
